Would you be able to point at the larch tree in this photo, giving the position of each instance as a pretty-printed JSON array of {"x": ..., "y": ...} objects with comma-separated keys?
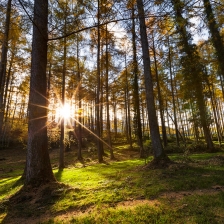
[
  {"x": 172, "y": 92},
  {"x": 98, "y": 125},
  {"x": 161, "y": 106},
  {"x": 158, "y": 150},
  {"x": 215, "y": 34},
  {"x": 135, "y": 86},
  {"x": 64, "y": 7},
  {"x": 193, "y": 69},
  {"x": 38, "y": 167},
  {"x": 107, "y": 66}
]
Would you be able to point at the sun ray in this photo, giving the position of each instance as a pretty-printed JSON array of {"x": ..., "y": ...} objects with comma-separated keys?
[
  {"x": 37, "y": 118},
  {"x": 66, "y": 112},
  {"x": 92, "y": 133},
  {"x": 37, "y": 105},
  {"x": 45, "y": 97}
]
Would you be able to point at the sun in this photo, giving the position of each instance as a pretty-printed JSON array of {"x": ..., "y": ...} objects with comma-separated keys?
[{"x": 64, "y": 112}]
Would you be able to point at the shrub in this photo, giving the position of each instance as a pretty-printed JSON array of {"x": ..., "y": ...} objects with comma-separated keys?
[
  {"x": 18, "y": 135},
  {"x": 173, "y": 148},
  {"x": 196, "y": 147}
]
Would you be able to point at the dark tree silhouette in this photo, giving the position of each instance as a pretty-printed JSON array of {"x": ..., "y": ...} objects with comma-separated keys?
[{"x": 38, "y": 166}]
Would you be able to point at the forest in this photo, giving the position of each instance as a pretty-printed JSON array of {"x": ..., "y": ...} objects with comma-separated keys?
[{"x": 111, "y": 111}]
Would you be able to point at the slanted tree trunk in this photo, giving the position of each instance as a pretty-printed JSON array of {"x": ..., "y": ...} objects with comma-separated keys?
[
  {"x": 158, "y": 150},
  {"x": 38, "y": 167},
  {"x": 161, "y": 107}
]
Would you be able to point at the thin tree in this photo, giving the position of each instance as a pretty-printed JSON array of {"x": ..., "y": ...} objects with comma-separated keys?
[
  {"x": 136, "y": 87},
  {"x": 98, "y": 129},
  {"x": 172, "y": 93},
  {"x": 107, "y": 98},
  {"x": 3, "y": 62},
  {"x": 79, "y": 87},
  {"x": 161, "y": 107}
]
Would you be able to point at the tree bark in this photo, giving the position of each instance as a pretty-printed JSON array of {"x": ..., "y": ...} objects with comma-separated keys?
[
  {"x": 98, "y": 129},
  {"x": 161, "y": 107},
  {"x": 38, "y": 167},
  {"x": 153, "y": 123},
  {"x": 3, "y": 62},
  {"x": 107, "y": 100},
  {"x": 127, "y": 102},
  {"x": 80, "y": 103},
  {"x": 173, "y": 97},
  {"x": 136, "y": 88}
]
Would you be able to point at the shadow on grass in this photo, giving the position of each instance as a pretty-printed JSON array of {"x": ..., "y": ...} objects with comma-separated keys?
[
  {"x": 29, "y": 203},
  {"x": 5, "y": 180},
  {"x": 58, "y": 175}
]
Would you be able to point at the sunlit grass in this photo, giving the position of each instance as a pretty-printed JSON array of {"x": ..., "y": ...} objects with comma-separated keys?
[
  {"x": 99, "y": 189},
  {"x": 191, "y": 209},
  {"x": 98, "y": 184},
  {"x": 9, "y": 186}
]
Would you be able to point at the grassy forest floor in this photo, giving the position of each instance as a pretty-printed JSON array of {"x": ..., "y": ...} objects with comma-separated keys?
[{"x": 190, "y": 190}]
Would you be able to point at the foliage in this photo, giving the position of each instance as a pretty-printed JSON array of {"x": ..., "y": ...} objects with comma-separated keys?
[
  {"x": 196, "y": 147},
  {"x": 53, "y": 138},
  {"x": 173, "y": 148},
  {"x": 18, "y": 135}
]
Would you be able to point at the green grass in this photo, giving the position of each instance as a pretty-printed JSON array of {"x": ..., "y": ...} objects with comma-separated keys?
[
  {"x": 192, "y": 209},
  {"x": 98, "y": 190}
]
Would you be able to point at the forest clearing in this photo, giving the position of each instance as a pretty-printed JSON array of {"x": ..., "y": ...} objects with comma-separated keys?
[{"x": 189, "y": 190}]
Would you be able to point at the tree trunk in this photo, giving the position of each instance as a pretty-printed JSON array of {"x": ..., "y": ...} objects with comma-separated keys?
[
  {"x": 107, "y": 101},
  {"x": 3, "y": 62},
  {"x": 173, "y": 97},
  {"x": 98, "y": 129},
  {"x": 9, "y": 100},
  {"x": 80, "y": 103},
  {"x": 136, "y": 88},
  {"x": 153, "y": 123},
  {"x": 215, "y": 35},
  {"x": 62, "y": 135},
  {"x": 195, "y": 123},
  {"x": 128, "y": 106},
  {"x": 38, "y": 167},
  {"x": 161, "y": 110},
  {"x": 115, "y": 120},
  {"x": 193, "y": 70}
]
